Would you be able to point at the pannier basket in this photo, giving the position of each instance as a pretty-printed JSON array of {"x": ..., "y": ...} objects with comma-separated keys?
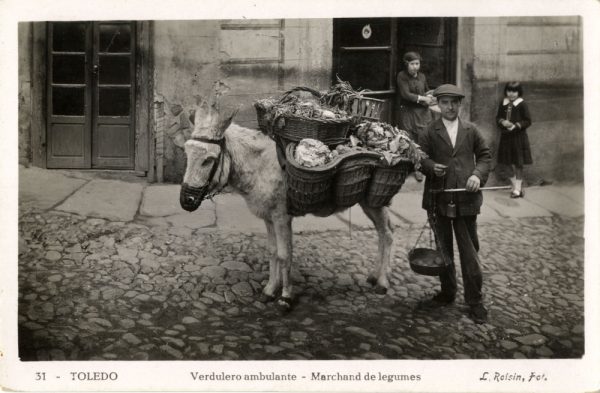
[
  {"x": 331, "y": 132},
  {"x": 353, "y": 177},
  {"x": 386, "y": 181},
  {"x": 264, "y": 116},
  {"x": 308, "y": 189}
]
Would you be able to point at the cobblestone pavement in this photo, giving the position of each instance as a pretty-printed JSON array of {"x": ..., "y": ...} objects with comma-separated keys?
[{"x": 91, "y": 289}]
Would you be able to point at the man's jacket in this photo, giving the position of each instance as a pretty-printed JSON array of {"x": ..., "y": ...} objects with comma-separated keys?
[{"x": 470, "y": 156}]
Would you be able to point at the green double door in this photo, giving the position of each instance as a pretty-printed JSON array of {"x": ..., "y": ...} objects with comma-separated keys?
[{"x": 91, "y": 93}]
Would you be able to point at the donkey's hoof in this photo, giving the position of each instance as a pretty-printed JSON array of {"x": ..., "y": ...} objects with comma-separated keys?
[
  {"x": 380, "y": 290},
  {"x": 264, "y": 298},
  {"x": 284, "y": 304},
  {"x": 372, "y": 280}
]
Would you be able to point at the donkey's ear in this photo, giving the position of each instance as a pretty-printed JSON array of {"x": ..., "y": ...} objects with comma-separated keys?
[
  {"x": 192, "y": 116},
  {"x": 225, "y": 121}
]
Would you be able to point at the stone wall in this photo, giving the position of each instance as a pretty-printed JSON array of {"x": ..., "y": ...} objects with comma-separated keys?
[
  {"x": 25, "y": 107},
  {"x": 545, "y": 54},
  {"x": 255, "y": 58}
]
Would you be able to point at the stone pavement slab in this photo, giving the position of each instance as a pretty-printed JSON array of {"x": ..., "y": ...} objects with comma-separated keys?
[
  {"x": 110, "y": 199},
  {"x": 161, "y": 200},
  {"x": 574, "y": 191},
  {"x": 555, "y": 201},
  {"x": 516, "y": 208},
  {"x": 43, "y": 189}
]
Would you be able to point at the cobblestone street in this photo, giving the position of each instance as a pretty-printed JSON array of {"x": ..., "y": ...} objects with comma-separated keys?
[{"x": 95, "y": 289}]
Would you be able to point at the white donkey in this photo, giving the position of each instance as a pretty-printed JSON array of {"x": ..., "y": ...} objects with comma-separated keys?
[{"x": 221, "y": 154}]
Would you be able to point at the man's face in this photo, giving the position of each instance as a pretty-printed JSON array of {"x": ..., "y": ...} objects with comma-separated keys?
[{"x": 449, "y": 107}]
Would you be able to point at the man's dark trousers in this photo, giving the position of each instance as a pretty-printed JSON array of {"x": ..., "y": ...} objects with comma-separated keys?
[{"x": 465, "y": 229}]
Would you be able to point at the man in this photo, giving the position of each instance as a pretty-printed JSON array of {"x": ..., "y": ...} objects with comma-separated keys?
[{"x": 458, "y": 158}]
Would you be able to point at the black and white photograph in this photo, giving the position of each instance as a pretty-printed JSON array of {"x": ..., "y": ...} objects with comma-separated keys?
[{"x": 370, "y": 197}]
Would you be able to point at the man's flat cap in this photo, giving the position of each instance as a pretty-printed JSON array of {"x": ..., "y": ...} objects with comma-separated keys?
[{"x": 448, "y": 90}]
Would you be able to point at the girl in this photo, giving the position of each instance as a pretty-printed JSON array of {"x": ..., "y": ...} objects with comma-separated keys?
[
  {"x": 513, "y": 120},
  {"x": 413, "y": 101}
]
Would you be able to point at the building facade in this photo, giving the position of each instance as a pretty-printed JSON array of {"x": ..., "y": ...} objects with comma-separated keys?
[{"x": 118, "y": 95}]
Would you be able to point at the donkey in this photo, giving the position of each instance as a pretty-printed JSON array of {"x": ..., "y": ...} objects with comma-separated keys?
[{"x": 221, "y": 153}]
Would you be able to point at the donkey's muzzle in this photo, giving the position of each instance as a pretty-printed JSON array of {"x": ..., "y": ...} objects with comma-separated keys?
[{"x": 190, "y": 197}]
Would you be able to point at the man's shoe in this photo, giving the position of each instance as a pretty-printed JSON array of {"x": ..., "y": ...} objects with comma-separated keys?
[
  {"x": 439, "y": 300},
  {"x": 478, "y": 313}
]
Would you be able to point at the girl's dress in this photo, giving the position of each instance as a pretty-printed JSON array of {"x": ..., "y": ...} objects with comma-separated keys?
[{"x": 514, "y": 148}]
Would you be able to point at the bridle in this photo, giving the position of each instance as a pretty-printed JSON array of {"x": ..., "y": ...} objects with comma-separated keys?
[
  {"x": 189, "y": 193},
  {"x": 219, "y": 142}
]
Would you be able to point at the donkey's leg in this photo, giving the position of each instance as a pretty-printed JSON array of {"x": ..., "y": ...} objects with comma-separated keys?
[
  {"x": 283, "y": 233},
  {"x": 383, "y": 225},
  {"x": 274, "y": 268}
]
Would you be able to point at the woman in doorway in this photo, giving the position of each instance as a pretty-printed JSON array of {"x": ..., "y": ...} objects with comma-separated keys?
[{"x": 413, "y": 103}]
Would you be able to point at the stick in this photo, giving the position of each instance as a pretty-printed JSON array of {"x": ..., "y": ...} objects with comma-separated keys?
[{"x": 464, "y": 189}]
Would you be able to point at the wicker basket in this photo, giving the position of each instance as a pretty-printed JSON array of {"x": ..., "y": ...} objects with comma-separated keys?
[
  {"x": 308, "y": 189},
  {"x": 331, "y": 132},
  {"x": 386, "y": 181},
  {"x": 353, "y": 177}
]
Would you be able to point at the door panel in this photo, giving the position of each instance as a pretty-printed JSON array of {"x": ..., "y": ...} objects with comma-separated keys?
[
  {"x": 435, "y": 40},
  {"x": 72, "y": 134},
  {"x": 113, "y": 142},
  {"x": 69, "y": 96},
  {"x": 91, "y": 89}
]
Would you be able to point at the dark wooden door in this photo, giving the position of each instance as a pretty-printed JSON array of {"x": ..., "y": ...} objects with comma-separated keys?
[
  {"x": 364, "y": 54},
  {"x": 435, "y": 40},
  {"x": 91, "y": 75},
  {"x": 368, "y": 52}
]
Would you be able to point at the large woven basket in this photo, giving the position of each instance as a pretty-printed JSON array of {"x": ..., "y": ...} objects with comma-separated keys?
[
  {"x": 331, "y": 132},
  {"x": 308, "y": 189},
  {"x": 353, "y": 177},
  {"x": 386, "y": 181}
]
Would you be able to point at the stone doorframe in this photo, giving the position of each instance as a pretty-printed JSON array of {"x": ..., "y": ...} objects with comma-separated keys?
[{"x": 144, "y": 128}]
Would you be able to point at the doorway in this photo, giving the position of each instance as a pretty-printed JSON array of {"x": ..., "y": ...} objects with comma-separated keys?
[
  {"x": 367, "y": 52},
  {"x": 91, "y": 95}
]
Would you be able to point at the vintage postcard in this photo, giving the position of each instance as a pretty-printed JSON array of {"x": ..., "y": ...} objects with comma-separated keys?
[{"x": 300, "y": 196}]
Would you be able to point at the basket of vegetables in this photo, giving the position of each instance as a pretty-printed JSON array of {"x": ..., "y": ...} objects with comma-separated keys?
[
  {"x": 400, "y": 155},
  {"x": 299, "y": 114},
  {"x": 343, "y": 96},
  {"x": 310, "y": 172}
]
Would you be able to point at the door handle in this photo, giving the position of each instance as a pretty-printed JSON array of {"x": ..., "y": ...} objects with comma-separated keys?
[{"x": 95, "y": 68}]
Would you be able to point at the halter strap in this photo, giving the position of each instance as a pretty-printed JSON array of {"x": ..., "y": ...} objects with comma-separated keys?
[
  {"x": 219, "y": 142},
  {"x": 219, "y": 160}
]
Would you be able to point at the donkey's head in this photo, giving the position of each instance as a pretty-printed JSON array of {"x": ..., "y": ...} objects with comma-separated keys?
[{"x": 205, "y": 151}]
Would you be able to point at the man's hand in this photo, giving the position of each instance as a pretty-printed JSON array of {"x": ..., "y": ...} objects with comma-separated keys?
[
  {"x": 473, "y": 184},
  {"x": 439, "y": 169},
  {"x": 506, "y": 124}
]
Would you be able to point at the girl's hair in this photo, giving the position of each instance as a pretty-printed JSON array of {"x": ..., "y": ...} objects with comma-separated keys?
[
  {"x": 514, "y": 86},
  {"x": 410, "y": 56}
]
